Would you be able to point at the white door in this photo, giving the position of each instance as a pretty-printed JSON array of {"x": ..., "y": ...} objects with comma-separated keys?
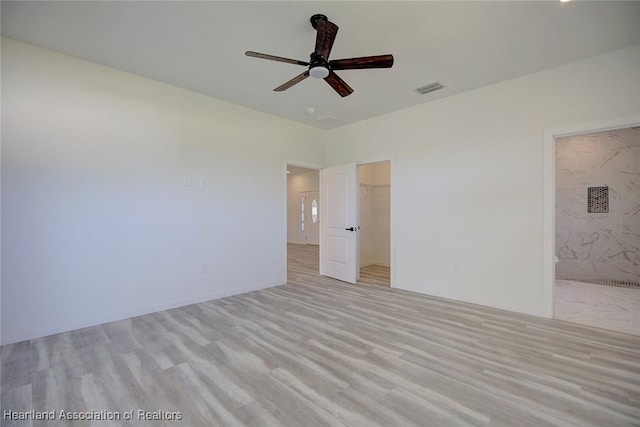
[
  {"x": 311, "y": 217},
  {"x": 339, "y": 225}
]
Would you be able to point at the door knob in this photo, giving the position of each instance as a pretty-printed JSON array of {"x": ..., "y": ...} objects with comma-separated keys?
[{"x": 350, "y": 229}]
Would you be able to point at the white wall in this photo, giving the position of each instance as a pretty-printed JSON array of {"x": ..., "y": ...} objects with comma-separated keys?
[
  {"x": 97, "y": 222},
  {"x": 296, "y": 184},
  {"x": 467, "y": 183},
  {"x": 375, "y": 209}
]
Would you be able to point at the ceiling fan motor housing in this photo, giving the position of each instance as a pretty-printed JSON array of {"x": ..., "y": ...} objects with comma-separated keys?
[
  {"x": 318, "y": 66},
  {"x": 315, "y": 18}
]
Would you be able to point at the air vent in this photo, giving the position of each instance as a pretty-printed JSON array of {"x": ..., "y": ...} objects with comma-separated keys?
[
  {"x": 598, "y": 199},
  {"x": 327, "y": 120},
  {"x": 429, "y": 88}
]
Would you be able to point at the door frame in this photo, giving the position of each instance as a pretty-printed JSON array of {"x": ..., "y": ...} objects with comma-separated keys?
[
  {"x": 392, "y": 223},
  {"x": 549, "y": 197},
  {"x": 359, "y": 162}
]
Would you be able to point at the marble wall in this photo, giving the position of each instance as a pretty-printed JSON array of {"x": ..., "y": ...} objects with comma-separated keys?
[{"x": 598, "y": 246}]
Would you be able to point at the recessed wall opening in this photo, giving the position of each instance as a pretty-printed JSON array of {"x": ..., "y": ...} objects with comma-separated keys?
[
  {"x": 598, "y": 229},
  {"x": 598, "y": 199},
  {"x": 375, "y": 223}
]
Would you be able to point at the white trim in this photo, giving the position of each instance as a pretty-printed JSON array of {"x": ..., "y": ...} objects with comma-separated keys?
[
  {"x": 393, "y": 282},
  {"x": 549, "y": 196}
]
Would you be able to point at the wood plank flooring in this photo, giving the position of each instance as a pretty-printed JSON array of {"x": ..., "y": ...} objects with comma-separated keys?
[
  {"x": 377, "y": 275},
  {"x": 318, "y": 352},
  {"x": 303, "y": 265}
]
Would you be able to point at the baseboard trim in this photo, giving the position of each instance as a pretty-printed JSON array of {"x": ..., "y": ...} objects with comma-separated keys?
[
  {"x": 100, "y": 320},
  {"x": 528, "y": 310}
]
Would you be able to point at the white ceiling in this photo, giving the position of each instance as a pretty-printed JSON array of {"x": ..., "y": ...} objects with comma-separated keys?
[{"x": 200, "y": 45}]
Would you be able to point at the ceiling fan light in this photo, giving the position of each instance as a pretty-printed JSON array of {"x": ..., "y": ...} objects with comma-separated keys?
[{"x": 318, "y": 72}]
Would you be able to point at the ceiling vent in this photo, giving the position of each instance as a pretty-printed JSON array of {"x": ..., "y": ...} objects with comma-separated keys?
[
  {"x": 328, "y": 120},
  {"x": 429, "y": 88}
]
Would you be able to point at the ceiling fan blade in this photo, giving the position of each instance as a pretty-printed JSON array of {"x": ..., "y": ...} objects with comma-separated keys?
[
  {"x": 297, "y": 79},
  {"x": 338, "y": 84},
  {"x": 275, "y": 58},
  {"x": 327, "y": 32},
  {"x": 380, "y": 61}
]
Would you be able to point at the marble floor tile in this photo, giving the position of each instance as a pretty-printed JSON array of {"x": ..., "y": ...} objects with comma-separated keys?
[{"x": 606, "y": 307}]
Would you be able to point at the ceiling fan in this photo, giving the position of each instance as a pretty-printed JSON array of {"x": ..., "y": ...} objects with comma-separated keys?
[{"x": 320, "y": 66}]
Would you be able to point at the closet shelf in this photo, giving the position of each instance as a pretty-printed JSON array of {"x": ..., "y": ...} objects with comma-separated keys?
[{"x": 370, "y": 188}]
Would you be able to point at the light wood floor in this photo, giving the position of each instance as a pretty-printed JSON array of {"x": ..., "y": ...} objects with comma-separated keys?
[
  {"x": 318, "y": 352},
  {"x": 303, "y": 265}
]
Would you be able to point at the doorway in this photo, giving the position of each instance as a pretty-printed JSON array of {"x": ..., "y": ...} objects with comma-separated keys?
[
  {"x": 313, "y": 233},
  {"x": 303, "y": 222},
  {"x": 375, "y": 223},
  {"x": 597, "y": 229},
  {"x": 310, "y": 218}
]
